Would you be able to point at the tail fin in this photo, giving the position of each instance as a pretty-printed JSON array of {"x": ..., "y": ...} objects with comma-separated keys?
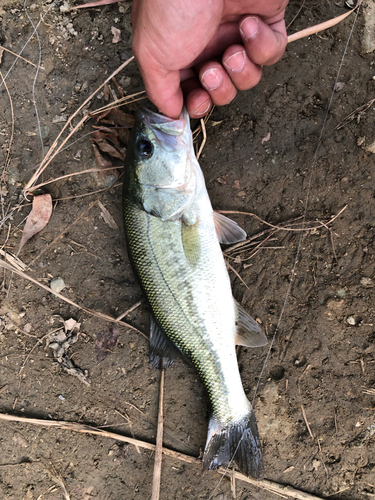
[{"x": 238, "y": 441}]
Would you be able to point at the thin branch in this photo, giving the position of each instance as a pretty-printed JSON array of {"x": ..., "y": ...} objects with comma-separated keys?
[
  {"x": 159, "y": 444},
  {"x": 18, "y": 56},
  {"x": 264, "y": 484},
  {"x": 322, "y": 26},
  {"x": 53, "y": 292},
  {"x": 52, "y": 153}
]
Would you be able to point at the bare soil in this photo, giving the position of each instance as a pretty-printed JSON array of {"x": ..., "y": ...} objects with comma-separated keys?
[{"x": 321, "y": 366}]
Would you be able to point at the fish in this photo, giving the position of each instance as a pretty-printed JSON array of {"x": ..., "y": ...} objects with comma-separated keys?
[{"x": 173, "y": 238}]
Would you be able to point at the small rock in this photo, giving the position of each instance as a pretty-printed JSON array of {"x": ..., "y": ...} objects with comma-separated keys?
[
  {"x": 125, "y": 81},
  {"x": 27, "y": 328},
  {"x": 65, "y": 7},
  {"x": 339, "y": 86},
  {"x": 351, "y": 320},
  {"x": 59, "y": 119},
  {"x": 341, "y": 293},
  {"x": 57, "y": 285},
  {"x": 367, "y": 282},
  {"x": 299, "y": 360}
]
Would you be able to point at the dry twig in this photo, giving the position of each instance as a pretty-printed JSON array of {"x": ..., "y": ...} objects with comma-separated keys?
[
  {"x": 82, "y": 308},
  {"x": 159, "y": 444},
  {"x": 276, "y": 488}
]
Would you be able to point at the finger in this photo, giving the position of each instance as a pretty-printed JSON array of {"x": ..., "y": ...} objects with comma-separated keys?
[
  {"x": 198, "y": 101},
  {"x": 264, "y": 44},
  {"x": 216, "y": 82},
  {"x": 243, "y": 72},
  {"x": 162, "y": 86}
]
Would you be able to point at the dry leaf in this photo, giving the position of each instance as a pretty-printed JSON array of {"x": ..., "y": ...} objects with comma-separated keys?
[
  {"x": 107, "y": 217},
  {"x": 100, "y": 140},
  {"x": 38, "y": 217},
  {"x": 101, "y": 163},
  {"x": 116, "y": 35},
  {"x": 105, "y": 341},
  {"x": 71, "y": 324}
]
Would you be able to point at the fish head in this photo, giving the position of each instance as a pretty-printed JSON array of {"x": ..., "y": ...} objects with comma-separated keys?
[{"x": 161, "y": 167}]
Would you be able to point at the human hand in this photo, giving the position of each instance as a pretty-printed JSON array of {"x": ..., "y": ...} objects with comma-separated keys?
[{"x": 204, "y": 50}]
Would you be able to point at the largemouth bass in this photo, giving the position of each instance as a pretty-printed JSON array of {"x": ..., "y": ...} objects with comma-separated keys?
[{"x": 173, "y": 237}]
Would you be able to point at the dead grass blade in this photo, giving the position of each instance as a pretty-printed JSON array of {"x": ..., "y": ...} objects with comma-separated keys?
[
  {"x": 13, "y": 260},
  {"x": 356, "y": 114},
  {"x": 16, "y": 55},
  {"x": 159, "y": 444},
  {"x": 97, "y": 314},
  {"x": 238, "y": 276},
  {"x": 203, "y": 126},
  {"x": 87, "y": 171},
  {"x": 58, "y": 479},
  {"x": 265, "y": 484},
  {"x": 295, "y": 17},
  {"x": 281, "y": 227},
  {"x": 322, "y": 26},
  {"x": 2, "y": 179},
  {"x": 54, "y": 150}
]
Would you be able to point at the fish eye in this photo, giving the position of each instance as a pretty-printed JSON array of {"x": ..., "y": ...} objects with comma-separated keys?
[{"x": 145, "y": 148}]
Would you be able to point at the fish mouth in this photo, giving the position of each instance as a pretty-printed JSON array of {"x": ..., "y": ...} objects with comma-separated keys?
[{"x": 162, "y": 124}]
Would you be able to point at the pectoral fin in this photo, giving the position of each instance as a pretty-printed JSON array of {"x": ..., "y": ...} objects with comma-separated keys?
[
  {"x": 227, "y": 230},
  {"x": 249, "y": 333},
  {"x": 162, "y": 351}
]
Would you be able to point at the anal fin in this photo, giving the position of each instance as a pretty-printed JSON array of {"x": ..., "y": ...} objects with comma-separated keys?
[
  {"x": 249, "y": 333},
  {"x": 162, "y": 351},
  {"x": 227, "y": 230}
]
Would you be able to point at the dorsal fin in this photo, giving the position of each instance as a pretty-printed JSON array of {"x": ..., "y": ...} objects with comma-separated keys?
[
  {"x": 162, "y": 351},
  {"x": 227, "y": 230},
  {"x": 249, "y": 333}
]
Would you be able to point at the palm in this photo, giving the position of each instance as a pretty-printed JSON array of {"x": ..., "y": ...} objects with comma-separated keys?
[{"x": 170, "y": 37}]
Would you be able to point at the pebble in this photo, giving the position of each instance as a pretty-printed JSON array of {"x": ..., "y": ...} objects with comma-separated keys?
[
  {"x": 65, "y": 7},
  {"x": 57, "y": 285},
  {"x": 59, "y": 118},
  {"x": 341, "y": 293},
  {"x": 367, "y": 282},
  {"x": 351, "y": 320}
]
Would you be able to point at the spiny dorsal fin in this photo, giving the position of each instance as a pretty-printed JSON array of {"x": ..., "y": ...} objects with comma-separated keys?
[
  {"x": 162, "y": 351},
  {"x": 227, "y": 230},
  {"x": 249, "y": 333}
]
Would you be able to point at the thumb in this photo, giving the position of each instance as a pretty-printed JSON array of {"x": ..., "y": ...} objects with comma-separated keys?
[{"x": 163, "y": 89}]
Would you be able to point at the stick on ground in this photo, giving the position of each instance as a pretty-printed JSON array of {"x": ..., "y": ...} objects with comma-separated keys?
[
  {"x": 278, "y": 489},
  {"x": 159, "y": 444}
]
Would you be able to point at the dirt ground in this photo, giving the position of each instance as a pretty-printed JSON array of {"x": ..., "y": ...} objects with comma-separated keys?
[{"x": 321, "y": 367}]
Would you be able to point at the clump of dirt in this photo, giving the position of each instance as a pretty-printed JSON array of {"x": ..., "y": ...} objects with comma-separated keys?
[{"x": 316, "y": 397}]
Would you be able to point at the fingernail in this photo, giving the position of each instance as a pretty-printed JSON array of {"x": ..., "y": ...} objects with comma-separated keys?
[
  {"x": 236, "y": 62},
  {"x": 203, "y": 108},
  {"x": 212, "y": 79},
  {"x": 249, "y": 27}
]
